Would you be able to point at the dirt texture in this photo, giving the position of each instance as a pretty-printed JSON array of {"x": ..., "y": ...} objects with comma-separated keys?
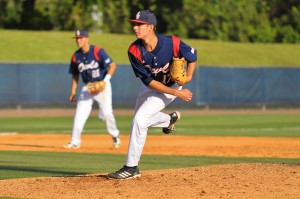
[
  {"x": 163, "y": 145},
  {"x": 217, "y": 181}
]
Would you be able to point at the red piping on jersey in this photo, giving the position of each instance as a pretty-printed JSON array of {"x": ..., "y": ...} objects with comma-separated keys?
[
  {"x": 176, "y": 43},
  {"x": 74, "y": 59},
  {"x": 133, "y": 49},
  {"x": 96, "y": 52}
]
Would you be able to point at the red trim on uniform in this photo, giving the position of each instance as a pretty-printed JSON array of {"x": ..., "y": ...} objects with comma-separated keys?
[
  {"x": 96, "y": 52},
  {"x": 78, "y": 37},
  {"x": 74, "y": 59},
  {"x": 137, "y": 21},
  {"x": 133, "y": 49},
  {"x": 176, "y": 43}
]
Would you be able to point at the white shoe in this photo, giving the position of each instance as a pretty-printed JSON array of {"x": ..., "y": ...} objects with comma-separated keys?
[
  {"x": 117, "y": 142},
  {"x": 71, "y": 146}
]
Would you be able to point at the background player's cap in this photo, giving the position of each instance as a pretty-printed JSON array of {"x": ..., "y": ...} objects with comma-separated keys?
[
  {"x": 144, "y": 17},
  {"x": 81, "y": 33}
]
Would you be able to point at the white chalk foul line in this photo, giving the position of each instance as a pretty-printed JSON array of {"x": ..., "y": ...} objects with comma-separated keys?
[{"x": 8, "y": 133}]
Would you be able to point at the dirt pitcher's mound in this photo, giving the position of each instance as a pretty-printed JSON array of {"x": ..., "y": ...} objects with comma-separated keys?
[{"x": 218, "y": 181}]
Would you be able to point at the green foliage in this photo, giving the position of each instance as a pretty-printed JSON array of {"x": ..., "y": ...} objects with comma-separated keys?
[
  {"x": 10, "y": 12},
  {"x": 115, "y": 15},
  {"x": 270, "y": 21},
  {"x": 69, "y": 15},
  {"x": 57, "y": 11},
  {"x": 229, "y": 20}
]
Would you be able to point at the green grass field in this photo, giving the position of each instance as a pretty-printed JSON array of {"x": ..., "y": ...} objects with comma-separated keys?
[
  {"x": 54, "y": 46},
  {"x": 199, "y": 125},
  {"x": 16, "y": 164}
]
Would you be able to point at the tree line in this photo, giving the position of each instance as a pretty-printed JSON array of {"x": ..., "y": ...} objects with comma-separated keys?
[{"x": 267, "y": 21}]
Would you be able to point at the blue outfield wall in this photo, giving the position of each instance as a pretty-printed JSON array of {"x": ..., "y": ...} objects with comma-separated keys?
[
  {"x": 49, "y": 84},
  {"x": 249, "y": 85}
]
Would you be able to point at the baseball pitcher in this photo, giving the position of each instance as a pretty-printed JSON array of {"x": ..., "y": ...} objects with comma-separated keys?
[{"x": 152, "y": 58}]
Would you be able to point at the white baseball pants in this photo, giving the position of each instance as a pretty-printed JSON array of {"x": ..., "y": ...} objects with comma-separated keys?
[
  {"x": 147, "y": 114},
  {"x": 84, "y": 108}
]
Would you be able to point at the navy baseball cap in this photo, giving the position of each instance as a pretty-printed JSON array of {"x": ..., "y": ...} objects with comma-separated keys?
[
  {"x": 144, "y": 17},
  {"x": 81, "y": 33}
]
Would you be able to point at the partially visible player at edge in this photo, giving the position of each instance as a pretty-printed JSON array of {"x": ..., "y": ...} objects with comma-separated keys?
[
  {"x": 150, "y": 56},
  {"x": 93, "y": 64}
]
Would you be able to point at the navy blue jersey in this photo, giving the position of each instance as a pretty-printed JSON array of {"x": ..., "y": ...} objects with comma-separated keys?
[
  {"x": 92, "y": 66},
  {"x": 154, "y": 65}
]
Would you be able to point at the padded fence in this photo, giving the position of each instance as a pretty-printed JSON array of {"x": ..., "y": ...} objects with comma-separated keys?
[
  {"x": 250, "y": 85},
  {"x": 35, "y": 84}
]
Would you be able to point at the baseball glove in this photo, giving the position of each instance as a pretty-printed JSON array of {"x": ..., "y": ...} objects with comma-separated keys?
[
  {"x": 177, "y": 71},
  {"x": 95, "y": 87}
]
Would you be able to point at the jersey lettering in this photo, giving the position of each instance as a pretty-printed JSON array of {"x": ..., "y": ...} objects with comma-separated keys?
[
  {"x": 83, "y": 67},
  {"x": 155, "y": 71},
  {"x": 166, "y": 78},
  {"x": 92, "y": 66},
  {"x": 95, "y": 73}
]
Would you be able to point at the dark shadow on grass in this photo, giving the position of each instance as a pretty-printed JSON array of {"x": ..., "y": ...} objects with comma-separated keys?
[
  {"x": 39, "y": 170},
  {"x": 28, "y": 145}
]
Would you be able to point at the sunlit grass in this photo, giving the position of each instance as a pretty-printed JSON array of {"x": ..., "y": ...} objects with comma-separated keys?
[{"x": 54, "y": 46}]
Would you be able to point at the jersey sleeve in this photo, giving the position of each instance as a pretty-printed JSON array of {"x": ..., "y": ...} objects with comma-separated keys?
[
  {"x": 106, "y": 59},
  {"x": 188, "y": 52},
  {"x": 73, "y": 69},
  {"x": 138, "y": 68}
]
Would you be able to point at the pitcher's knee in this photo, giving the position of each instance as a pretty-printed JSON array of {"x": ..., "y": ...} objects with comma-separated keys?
[{"x": 140, "y": 121}]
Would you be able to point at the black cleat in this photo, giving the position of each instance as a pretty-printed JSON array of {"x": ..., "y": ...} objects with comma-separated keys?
[
  {"x": 116, "y": 142},
  {"x": 175, "y": 116},
  {"x": 125, "y": 173}
]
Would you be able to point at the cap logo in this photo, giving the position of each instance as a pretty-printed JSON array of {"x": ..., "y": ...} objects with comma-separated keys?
[
  {"x": 78, "y": 32},
  {"x": 144, "y": 17},
  {"x": 138, "y": 15}
]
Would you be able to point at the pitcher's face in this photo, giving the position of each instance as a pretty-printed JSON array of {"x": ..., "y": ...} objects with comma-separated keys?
[{"x": 142, "y": 30}]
